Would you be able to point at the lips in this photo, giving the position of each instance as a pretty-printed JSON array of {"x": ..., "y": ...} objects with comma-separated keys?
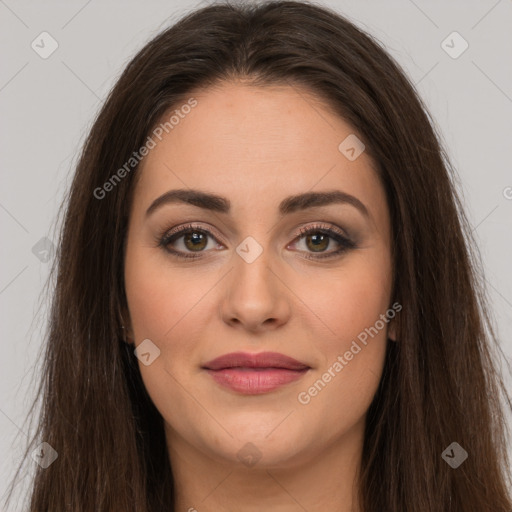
[
  {"x": 261, "y": 360},
  {"x": 254, "y": 374}
]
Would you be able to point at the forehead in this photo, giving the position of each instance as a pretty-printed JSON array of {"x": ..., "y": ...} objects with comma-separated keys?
[{"x": 256, "y": 145}]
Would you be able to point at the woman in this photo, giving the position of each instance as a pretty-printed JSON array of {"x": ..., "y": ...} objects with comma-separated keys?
[{"x": 266, "y": 296}]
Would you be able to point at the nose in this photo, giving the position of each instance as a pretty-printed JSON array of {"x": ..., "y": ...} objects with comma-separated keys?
[{"x": 256, "y": 298}]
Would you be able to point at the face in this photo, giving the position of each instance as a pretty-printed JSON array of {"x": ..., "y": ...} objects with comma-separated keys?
[{"x": 255, "y": 271}]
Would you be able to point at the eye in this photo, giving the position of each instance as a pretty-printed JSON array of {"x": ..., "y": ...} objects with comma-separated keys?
[
  {"x": 318, "y": 238},
  {"x": 186, "y": 240}
]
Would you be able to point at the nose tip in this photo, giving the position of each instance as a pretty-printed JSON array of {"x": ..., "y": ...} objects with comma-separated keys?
[{"x": 255, "y": 298}]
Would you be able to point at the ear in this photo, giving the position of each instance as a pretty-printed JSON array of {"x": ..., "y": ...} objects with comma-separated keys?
[
  {"x": 126, "y": 326},
  {"x": 128, "y": 335},
  {"x": 392, "y": 330}
]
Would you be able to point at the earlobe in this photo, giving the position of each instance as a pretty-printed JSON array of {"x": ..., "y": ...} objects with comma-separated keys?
[
  {"x": 126, "y": 329},
  {"x": 392, "y": 331},
  {"x": 127, "y": 335}
]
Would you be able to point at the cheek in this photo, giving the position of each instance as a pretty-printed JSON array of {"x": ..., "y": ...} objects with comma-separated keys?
[
  {"x": 351, "y": 337},
  {"x": 154, "y": 306},
  {"x": 342, "y": 391},
  {"x": 160, "y": 297},
  {"x": 172, "y": 307},
  {"x": 346, "y": 301},
  {"x": 168, "y": 308}
]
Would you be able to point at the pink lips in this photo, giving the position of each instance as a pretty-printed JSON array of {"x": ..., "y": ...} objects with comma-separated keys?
[{"x": 253, "y": 374}]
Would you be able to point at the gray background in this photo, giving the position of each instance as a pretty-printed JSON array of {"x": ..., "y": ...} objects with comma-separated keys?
[{"x": 47, "y": 106}]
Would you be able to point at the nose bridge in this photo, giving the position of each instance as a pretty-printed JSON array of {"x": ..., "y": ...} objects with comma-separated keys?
[
  {"x": 255, "y": 294},
  {"x": 251, "y": 274}
]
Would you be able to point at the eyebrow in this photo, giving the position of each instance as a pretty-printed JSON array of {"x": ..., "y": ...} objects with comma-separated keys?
[{"x": 288, "y": 205}]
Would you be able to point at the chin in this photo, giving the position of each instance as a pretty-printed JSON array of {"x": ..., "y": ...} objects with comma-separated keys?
[{"x": 253, "y": 447}]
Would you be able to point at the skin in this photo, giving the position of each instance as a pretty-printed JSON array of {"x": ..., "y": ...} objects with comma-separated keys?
[{"x": 257, "y": 146}]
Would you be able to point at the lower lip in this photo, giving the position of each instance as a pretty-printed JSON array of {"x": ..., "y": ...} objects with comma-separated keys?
[{"x": 251, "y": 381}]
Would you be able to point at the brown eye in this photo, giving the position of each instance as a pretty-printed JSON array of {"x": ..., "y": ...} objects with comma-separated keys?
[
  {"x": 195, "y": 241},
  {"x": 317, "y": 242},
  {"x": 317, "y": 239},
  {"x": 183, "y": 241}
]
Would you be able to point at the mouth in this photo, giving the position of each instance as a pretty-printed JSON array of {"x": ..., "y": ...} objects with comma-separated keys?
[{"x": 253, "y": 374}]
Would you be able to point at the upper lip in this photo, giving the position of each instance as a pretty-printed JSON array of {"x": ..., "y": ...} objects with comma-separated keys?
[{"x": 261, "y": 360}]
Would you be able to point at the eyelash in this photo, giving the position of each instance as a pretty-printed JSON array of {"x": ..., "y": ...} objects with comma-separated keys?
[{"x": 345, "y": 243}]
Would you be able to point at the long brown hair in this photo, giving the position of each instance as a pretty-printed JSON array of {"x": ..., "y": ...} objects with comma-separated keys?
[{"x": 441, "y": 382}]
